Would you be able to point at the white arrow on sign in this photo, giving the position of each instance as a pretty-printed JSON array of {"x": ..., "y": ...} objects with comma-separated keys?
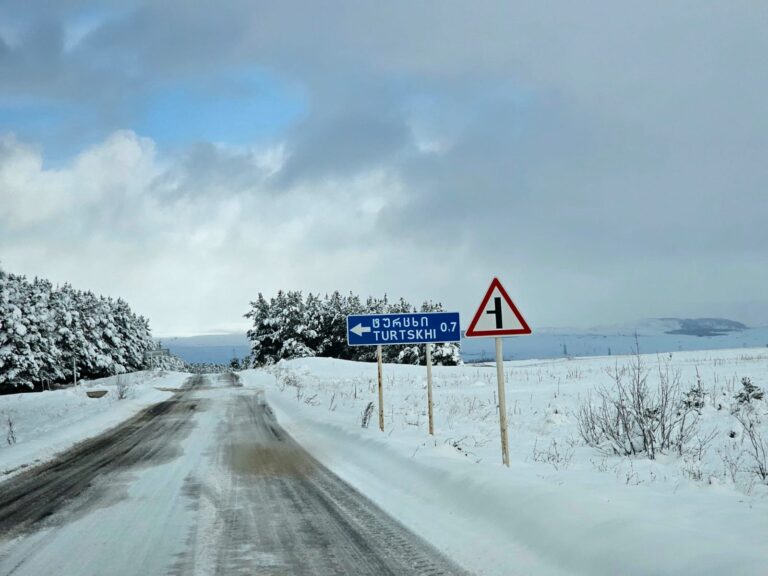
[{"x": 360, "y": 329}]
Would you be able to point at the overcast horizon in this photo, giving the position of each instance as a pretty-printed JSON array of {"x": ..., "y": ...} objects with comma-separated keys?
[{"x": 607, "y": 162}]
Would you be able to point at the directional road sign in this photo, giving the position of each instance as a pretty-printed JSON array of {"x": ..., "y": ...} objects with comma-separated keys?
[
  {"x": 497, "y": 315},
  {"x": 418, "y": 328}
]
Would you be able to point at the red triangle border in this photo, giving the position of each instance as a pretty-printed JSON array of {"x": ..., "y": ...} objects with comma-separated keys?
[{"x": 472, "y": 333}]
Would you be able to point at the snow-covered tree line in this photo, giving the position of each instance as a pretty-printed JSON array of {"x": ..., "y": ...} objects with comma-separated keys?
[
  {"x": 293, "y": 326},
  {"x": 46, "y": 330}
]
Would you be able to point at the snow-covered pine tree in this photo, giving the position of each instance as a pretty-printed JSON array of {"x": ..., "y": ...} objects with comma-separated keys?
[
  {"x": 313, "y": 320},
  {"x": 91, "y": 357},
  {"x": 447, "y": 353},
  {"x": 132, "y": 334},
  {"x": 289, "y": 326},
  {"x": 333, "y": 326},
  {"x": 42, "y": 330},
  {"x": 261, "y": 335},
  {"x": 18, "y": 365},
  {"x": 170, "y": 362},
  {"x": 112, "y": 345},
  {"x": 372, "y": 305},
  {"x": 400, "y": 354},
  {"x": 291, "y": 329},
  {"x": 67, "y": 320},
  {"x": 41, "y": 333}
]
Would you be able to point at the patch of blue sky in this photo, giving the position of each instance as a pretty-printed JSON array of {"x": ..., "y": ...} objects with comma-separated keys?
[
  {"x": 61, "y": 130},
  {"x": 238, "y": 108},
  {"x": 31, "y": 121}
]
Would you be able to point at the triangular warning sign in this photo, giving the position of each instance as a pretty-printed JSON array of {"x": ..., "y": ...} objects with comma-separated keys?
[{"x": 497, "y": 315}]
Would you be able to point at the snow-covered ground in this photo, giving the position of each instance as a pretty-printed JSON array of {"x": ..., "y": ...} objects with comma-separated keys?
[
  {"x": 36, "y": 426},
  {"x": 562, "y": 507}
]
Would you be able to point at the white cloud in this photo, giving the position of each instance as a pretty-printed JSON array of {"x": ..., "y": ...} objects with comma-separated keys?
[
  {"x": 113, "y": 220},
  {"x": 28, "y": 194},
  {"x": 608, "y": 159}
]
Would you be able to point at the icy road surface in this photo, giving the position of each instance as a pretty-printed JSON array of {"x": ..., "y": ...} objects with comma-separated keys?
[{"x": 204, "y": 483}]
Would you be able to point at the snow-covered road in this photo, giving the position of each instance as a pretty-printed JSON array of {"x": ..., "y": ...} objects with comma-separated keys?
[{"x": 204, "y": 483}]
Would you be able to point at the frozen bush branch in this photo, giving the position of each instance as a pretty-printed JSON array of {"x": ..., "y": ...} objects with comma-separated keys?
[
  {"x": 555, "y": 455},
  {"x": 757, "y": 446},
  {"x": 11, "y": 434},
  {"x": 630, "y": 418},
  {"x": 122, "y": 388},
  {"x": 367, "y": 413}
]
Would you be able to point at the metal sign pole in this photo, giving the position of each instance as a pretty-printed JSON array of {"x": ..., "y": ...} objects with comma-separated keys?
[
  {"x": 429, "y": 388},
  {"x": 409, "y": 328},
  {"x": 381, "y": 389},
  {"x": 502, "y": 402},
  {"x": 497, "y": 316}
]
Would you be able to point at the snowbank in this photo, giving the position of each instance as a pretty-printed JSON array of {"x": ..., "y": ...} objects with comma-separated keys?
[
  {"x": 562, "y": 507},
  {"x": 46, "y": 423}
]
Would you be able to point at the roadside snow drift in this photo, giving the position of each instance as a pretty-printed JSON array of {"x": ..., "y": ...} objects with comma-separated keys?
[
  {"x": 36, "y": 426},
  {"x": 562, "y": 507}
]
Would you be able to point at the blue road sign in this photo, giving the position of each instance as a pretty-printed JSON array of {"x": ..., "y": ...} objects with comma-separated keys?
[{"x": 418, "y": 328}]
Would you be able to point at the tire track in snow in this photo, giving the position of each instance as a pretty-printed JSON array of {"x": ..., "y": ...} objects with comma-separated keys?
[{"x": 282, "y": 512}]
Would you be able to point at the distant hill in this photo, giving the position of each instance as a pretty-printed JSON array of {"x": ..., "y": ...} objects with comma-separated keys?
[
  {"x": 654, "y": 335},
  {"x": 705, "y": 326},
  {"x": 659, "y": 335},
  {"x": 208, "y": 348}
]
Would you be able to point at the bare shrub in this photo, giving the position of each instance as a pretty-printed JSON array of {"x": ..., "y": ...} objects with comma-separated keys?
[
  {"x": 589, "y": 423},
  {"x": 757, "y": 446},
  {"x": 457, "y": 444},
  {"x": 556, "y": 455},
  {"x": 10, "y": 436},
  {"x": 367, "y": 413},
  {"x": 286, "y": 378},
  {"x": 693, "y": 461},
  {"x": 290, "y": 379},
  {"x": 122, "y": 388},
  {"x": 732, "y": 458},
  {"x": 630, "y": 418},
  {"x": 573, "y": 374}
]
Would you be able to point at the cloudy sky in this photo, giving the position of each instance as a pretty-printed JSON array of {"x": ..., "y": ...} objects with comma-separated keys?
[{"x": 608, "y": 161}]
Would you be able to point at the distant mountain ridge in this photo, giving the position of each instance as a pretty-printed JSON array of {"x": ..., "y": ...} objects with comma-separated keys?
[
  {"x": 208, "y": 348},
  {"x": 655, "y": 335},
  {"x": 710, "y": 326},
  {"x": 705, "y": 326}
]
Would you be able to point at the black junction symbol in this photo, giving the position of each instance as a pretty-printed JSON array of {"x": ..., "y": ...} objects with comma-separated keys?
[{"x": 496, "y": 311}]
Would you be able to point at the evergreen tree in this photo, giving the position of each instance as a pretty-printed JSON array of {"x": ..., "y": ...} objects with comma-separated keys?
[
  {"x": 45, "y": 330},
  {"x": 291, "y": 330},
  {"x": 261, "y": 349},
  {"x": 290, "y": 326},
  {"x": 18, "y": 364}
]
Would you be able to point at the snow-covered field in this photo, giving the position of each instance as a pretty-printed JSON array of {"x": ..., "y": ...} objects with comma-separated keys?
[
  {"x": 34, "y": 427},
  {"x": 562, "y": 507}
]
